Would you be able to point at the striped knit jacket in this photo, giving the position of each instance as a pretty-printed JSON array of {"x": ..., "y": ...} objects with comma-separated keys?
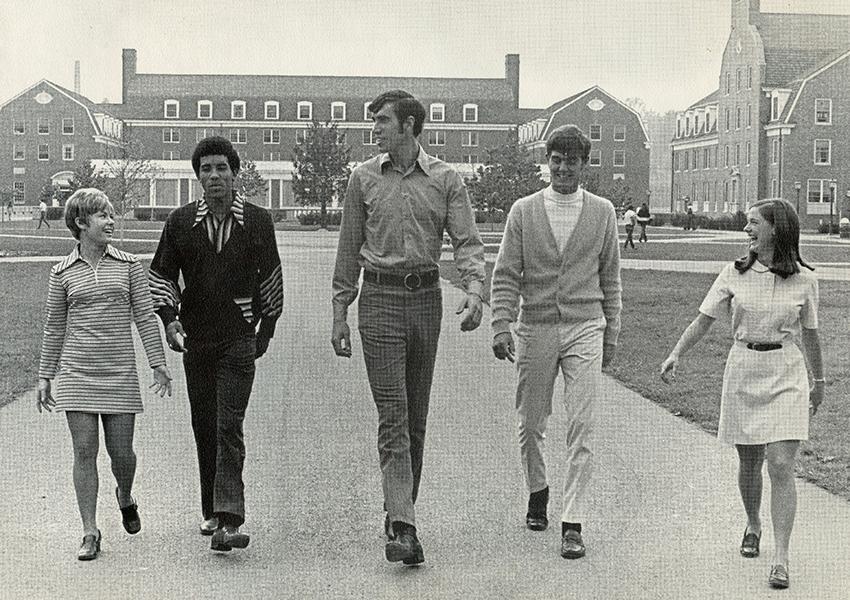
[{"x": 231, "y": 272}]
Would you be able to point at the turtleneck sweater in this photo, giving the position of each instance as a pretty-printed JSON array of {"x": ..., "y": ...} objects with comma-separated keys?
[{"x": 563, "y": 211}]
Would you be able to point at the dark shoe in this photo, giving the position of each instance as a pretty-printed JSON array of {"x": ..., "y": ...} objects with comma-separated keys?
[
  {"x": 536, "y": 522},
  {"x": 779, "y": 577},
  {"x": 750, "y": 545},
  {"x": 227, "y": 538},
  {"x": 208, "y": 526},
  {"x": 405, "y": 547},
  {"x": 571, "y": 544},
  {"x": 535, "y": 518},
  {"x": 90, "y": 547},
  {"x": 388, "y": 528},
  {"x": 129, "y": 516}
]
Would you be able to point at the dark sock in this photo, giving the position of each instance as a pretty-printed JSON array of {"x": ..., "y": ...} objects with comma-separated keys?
[
  {"x": 538, "y": 501},
  {"x": 574, "y": 526}
]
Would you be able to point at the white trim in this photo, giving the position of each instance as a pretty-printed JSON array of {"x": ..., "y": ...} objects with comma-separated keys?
[
  {"x": 234, "y": 104},
  {"x": 271, "y": 104},
  {"x": 308, "y": 105},
  {"x": 707, "y": 141},
  {"x": 808, "y": 79},
  {"x": 272, "y": 131},
  {"x": 590, "y": 162},
  {"x": 338, "y": 104},
  {"x": 463, "y": 114},
  {"x": 623, "y": 164},
  {"x": 815, "y": 152},
  {"x": 170, "y": 102},
  {"x": 436, "y": 137},
  {"x": 829, "y": 122},
  {"x": 203, "y": 103},
  {"x": 72, "y": 125},
  {"x": 300, "y": 125},
  {"x": 366, "y": 116},
  {"x": 437, "y": 106}
]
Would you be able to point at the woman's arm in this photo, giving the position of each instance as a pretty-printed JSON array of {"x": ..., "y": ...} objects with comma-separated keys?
[
  {"x": 692, "y": 334},
  {"x": 814, "y": 357}
]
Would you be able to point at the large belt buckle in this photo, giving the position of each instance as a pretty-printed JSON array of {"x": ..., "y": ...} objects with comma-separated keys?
[{"x": 412, "y": 281}]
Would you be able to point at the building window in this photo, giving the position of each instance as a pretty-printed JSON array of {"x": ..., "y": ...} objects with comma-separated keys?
[
  {"x": 367, "y": 116},
  {"x": 68, "y": 152},
  {"x": 774, "y": 188},
  {"x": 619, "y": 133},
  {"x": 469, "y": 138},
  {"x": 728, "y": 120},
  {"x": 749, "y": 115},
  {"x": 470, "y": 113},
  {"x": 737, "y": 117},
  {"x": 774, "y": 108},
  {"x": 749, "y": 78},
  {"x": 749, "y": 151},
  {"x": 271, "y": 110},
  {"x": 170, "y": 155},
  {"x": 237, "y": 109},
  {"x": 817, "y": 190},
  {"x": 337, "y": 111},
  {"x": 596, "y": 158},
  {"x": 305, "y": 111},
  {"x": 823, "y": 152},
  {"x": 706, "y": 158},
  {"x": 43, "y": 152},
  {"x": 238, "y": 136},
  {"x": 68, "y": 126},
  {"x": 204, "y": 133},
  {"x": 436, "y": 138},
  {"x": 774, "y": 151},
  {"x": 438, "y": 112},
  {"x": 18, "y": 127},
  {"x": 204, "y": 109},
  {"x": 440, "y": 156},
  {"x": 18, "y": 152},
  {"x": 170, "y": 136},
  {"x": 171, "y": 109},
  {"x": 18, "y": 189},
  {"x": 726, "y": 156},
  {"x": 271, "y": 155},
  {"x": 271, "y": 136},
  {"x": 823, "y": 111},
  {"x": 737, "y": 154},
  {"x": 43, "y": 127},
  {"x": 368, "y": 137},
  {"x": 737, "y": 80},
  {"x": 596, "y": 132},
  {"x": 301, "y": 136},
  {"x": 619, "y": 158},
  {"x": 470, "y": 159},
  {"x": 728, "y": 83},
  {"x": 696, "y": 159}
]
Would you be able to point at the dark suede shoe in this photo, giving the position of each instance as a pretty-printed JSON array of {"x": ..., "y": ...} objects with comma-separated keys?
[
  {"x": 405, "y": 547},
  {"x": 572, "y": 545},
  {"x": 535, "y": 518},
  {"x": 129, "y": 516},
  {"x": 227, "y": 538}
]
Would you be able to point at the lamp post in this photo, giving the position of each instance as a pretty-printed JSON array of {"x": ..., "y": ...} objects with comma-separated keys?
[
  {"x": 797, "y": 186},
  {"x": 832, "y": 186}
]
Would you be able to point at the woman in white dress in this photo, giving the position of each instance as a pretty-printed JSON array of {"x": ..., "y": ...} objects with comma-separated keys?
[{"x": 766, "y": 398}]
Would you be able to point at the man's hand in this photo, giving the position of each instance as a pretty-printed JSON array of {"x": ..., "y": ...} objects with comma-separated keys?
[
  {"x": 175, "y": 336},
  {"x": 503, "y": 346},
  {"x": 608, "y": 353},
  {"x": 473, "y": 318},
  {"x": 262, "y": 345},
  {"x": 341, "y": 339}
]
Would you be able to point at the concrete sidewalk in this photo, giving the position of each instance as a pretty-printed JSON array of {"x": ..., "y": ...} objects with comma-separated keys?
[{"x": 666, "y": 522}]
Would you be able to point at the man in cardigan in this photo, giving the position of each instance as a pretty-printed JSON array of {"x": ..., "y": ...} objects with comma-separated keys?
[
  {"x": 560, "y": 255},
  {"x": 226, "y": 251}
]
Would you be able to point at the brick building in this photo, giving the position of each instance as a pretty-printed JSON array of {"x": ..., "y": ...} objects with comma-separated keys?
[{"x": 778, "y": 123}]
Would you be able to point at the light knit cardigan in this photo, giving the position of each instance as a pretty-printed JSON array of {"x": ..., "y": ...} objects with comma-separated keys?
[{"x": 580, "y": 284}]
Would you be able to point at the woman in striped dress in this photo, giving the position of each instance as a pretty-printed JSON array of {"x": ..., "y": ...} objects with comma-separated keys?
[{"x": 87, "y": 347}]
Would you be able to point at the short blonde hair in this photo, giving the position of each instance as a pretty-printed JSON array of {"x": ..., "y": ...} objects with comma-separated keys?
[{"x": 82, "y": 204}]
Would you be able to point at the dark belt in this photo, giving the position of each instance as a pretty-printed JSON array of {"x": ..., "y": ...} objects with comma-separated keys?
[
  {"x": 409, "y": 281},
  {"x": 763, "y": 347}
]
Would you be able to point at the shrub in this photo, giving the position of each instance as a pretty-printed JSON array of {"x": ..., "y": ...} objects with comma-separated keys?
[
  {"x": 487, "y": 216},
  {"x": 156, "y": 213},
  {"x": 54, "y": 213},
  {"x": 824, "y": 228},
  {"x": 314, "y": 217}
]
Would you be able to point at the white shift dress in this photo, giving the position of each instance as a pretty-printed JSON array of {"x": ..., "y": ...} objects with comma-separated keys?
[{"x": 765, "y": 395}]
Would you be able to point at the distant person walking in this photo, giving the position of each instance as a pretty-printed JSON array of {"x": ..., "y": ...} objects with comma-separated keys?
[
  {"x": 397, "y": 207},
  {"x": 766, "y": 398},
  {"x": 643, "y": 219},
  {"x": 93, "y": 296},
  {"x": 42, "y": 214},
  {"x": 224, "y": 250},
  {"x": 689, "y": 220},
  {"x": 630, "y": 217},
  {"x": 557, "y": 276}
]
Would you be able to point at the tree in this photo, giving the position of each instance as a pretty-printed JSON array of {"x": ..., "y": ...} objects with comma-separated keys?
[
  {"x": 249, "y": 182},
  {"x": 86, "y": 176},
  {"x": 48, "y": 192},
  {"x": 321, "y": 173},
  {"x": 508, "y": 174},
  {"x": 128, "y": 176}
]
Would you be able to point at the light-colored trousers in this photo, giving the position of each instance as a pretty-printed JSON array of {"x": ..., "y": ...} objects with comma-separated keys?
[{"x": 576, "y": 350}]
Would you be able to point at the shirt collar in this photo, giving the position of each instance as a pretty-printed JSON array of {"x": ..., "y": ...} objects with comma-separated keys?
[
  {"x": 75, "y": 255},
  {"x": 422, "y": 159},
  {"x": 237, "y": 209}
]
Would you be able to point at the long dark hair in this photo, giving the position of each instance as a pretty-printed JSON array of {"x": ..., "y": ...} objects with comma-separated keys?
[{"x": 786, "y": 239}]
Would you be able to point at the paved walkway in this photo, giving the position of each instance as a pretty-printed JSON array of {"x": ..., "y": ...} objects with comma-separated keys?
[{"x": 666, "y": 523}]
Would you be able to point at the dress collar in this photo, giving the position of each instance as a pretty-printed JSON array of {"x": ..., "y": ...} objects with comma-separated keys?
[
  {"x": 237, "y": 209},
  {"x": 111, "y": 251}
]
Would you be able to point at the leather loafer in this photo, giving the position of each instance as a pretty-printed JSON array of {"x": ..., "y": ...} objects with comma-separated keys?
[
  {"x": 572, "y": 545},
  {"x": 208, "y": 526},
  {"x": 226, "y": 539},
  {"x": 750, "y": 545},
  {"x": 536, "y": 522},
  {"x": 405, "y": 547},
  {"x": 779, "y": 578},
  {"x": 129, "y": 515},
  {"x": 90, "y": 547}
]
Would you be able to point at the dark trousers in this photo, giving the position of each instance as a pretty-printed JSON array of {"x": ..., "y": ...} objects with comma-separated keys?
[
  {"x": 399, "y": 330},
  {"x": 642, "y": 237},
  {"x": 219, "y": 377},
  {"x": 629, "y": 240},
  {"x": 42, "y": 219}
]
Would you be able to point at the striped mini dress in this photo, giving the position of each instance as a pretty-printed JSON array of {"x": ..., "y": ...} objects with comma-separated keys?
[{"x": 87, "y": 347}]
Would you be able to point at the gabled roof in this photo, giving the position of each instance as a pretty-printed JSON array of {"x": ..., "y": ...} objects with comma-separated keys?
[
  {"x": 705, "y": 101},
  {"x": 798, "y": 85}
]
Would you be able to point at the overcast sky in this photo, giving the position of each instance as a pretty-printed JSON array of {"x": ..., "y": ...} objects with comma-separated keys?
[{"x": 666, "y": 52}]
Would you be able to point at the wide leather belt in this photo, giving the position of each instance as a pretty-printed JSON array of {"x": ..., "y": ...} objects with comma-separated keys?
[
  {"x": 762, "y": 347},
  {"x": 410, "y": 281}
]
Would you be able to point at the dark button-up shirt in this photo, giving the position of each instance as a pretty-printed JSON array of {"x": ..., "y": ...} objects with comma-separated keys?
[{"x": 393, "y": 221}]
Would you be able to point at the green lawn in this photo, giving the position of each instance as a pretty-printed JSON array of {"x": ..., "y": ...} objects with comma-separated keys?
[
  {"x": 812, "y": 253},
  {"x": 658, "y": 305}
]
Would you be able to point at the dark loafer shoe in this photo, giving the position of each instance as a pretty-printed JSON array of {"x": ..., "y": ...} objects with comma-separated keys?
[
  {"x": 90, "y": 547},
  {"x": 536, "y": 522},
  {"x": 226, "y": 539},
  {"x": 405, "y": 547},
  {"x": 779, "y": 577},
  {"x": 129, "y": 516},
  {"x": 208, "y": 526},
  {"x": 571, "y": 544},
  {"x": 750, "y": 545}
]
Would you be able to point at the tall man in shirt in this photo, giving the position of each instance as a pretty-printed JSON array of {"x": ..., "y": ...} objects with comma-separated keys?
[
  {"x": 225, "y": 248},
  {"x": 397, "y": 206},
  {"x": 560, "y": 255}
]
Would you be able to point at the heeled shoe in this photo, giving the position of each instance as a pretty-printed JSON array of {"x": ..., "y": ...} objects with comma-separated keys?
[
  {"x": 750, "y": 544},
  {"x": 90, "y": 547},
  {"x": 129, "y": 516}
]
